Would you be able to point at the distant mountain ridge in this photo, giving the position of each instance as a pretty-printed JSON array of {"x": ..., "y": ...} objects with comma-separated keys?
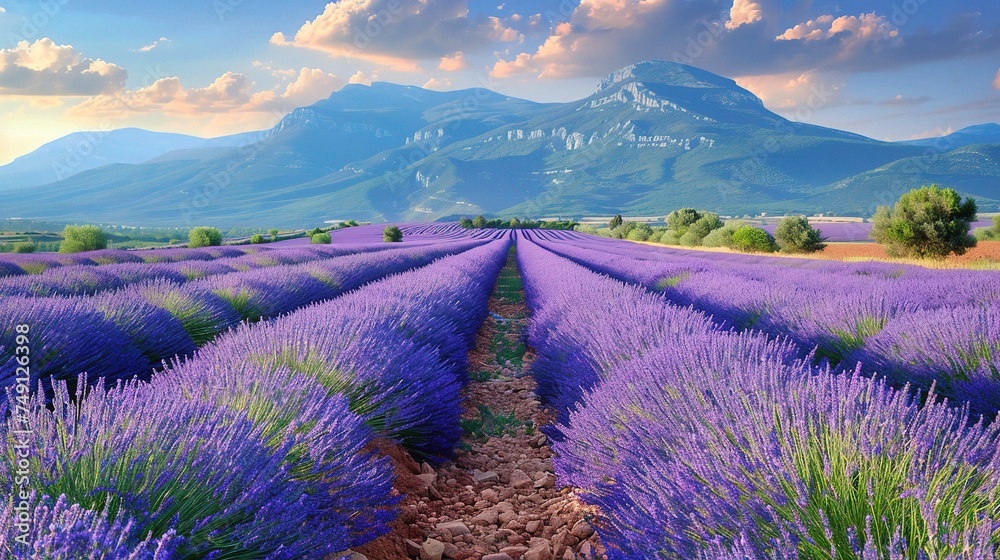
[
  {"x": 81, "y": 151},
  {"x": 653, "y": 137},
  {"x": 987, "y": 133}
]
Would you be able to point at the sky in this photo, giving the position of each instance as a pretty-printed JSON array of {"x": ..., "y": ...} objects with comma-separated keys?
[{"x": 887, "y": 69}]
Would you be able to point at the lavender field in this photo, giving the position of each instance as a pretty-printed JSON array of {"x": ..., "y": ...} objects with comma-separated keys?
[{"x": 236, "y": 402}]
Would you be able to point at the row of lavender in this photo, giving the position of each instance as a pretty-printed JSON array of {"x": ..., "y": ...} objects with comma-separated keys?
[
  {"x": 909, "y": 324},
  {"x": 262, "y": 445},
  {"x": 126, "y": 332},
  {"x": 345, "y": 241},
  {"x": 697, "y": 441},
  {"x": 89, "y": 280},
  {"x": 37, "y": 263}
]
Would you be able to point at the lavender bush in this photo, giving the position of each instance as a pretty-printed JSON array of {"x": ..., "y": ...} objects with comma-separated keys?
[
  {"x": 850, "y": 312},
  {"x": 230, "y": 481},
  {"x": 718, "y": 444}
]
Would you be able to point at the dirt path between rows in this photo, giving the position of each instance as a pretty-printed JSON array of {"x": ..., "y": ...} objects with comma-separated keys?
[{"x": 498, "y": 498}]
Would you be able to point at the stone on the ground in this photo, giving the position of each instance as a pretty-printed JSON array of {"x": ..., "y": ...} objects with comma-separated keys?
[
  {"x": 548, "y": 480},
  {"x": 540, "y": 549},
  {"x": 514, "y": 551},
  {"x": 412, "y": 547},
  {"x": 582, "y": 530},
  {"x": 432, "y": 549},
  {"x": 520, "y": 479},
  {"x": 456, "y": 528},
  {"x": 429, "y": 479},
  {"x": 487, "y": 477},
  {"x": 500, "y": 556},
  {"x": 487, "y": 517}
]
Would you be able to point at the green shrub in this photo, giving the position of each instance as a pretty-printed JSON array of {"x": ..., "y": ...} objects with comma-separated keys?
[
  {"x": 795, "y": 235},
  {"x": 670, "y": 237},
  {"x": 752, "y": 239},
  {"x": 681, "y": 220},
  {"x": 640, "y": 232},
  {"x": 723, "y": 237},
  {"x": 689, "y": 239},
  {"x": 989, "y": 233},
  {"x": 257, "y": 239},
  {"x": 392, "y": 234},
  {"x": 708, "y": 222},
  {"x": 929, "y": 222},
  {"x": 204, "y": 237},
  {"x": 273, "y": 233},
  {"x": 25, "y": 247},
  {"x": 616, "y": 221},
  {"x": 314, "y": 231},
  {"x": 479, "y": 221},
  {"x": 322, "y": 238},
  {"x": 83, "y": 238}
]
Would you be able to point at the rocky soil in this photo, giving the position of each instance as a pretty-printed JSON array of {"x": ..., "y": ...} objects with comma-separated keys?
[{"x": 498, "y": 499}]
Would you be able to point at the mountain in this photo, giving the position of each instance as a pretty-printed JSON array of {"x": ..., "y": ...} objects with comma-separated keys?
[
  {"x": 652, "y": 137},
  {"x": 972, "y": 170},
  {"x": 988, "y": 133},
  {"x": 82, "y": 151}
]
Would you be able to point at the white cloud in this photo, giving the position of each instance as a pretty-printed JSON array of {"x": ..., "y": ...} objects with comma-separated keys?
[
  {"x": 3, "y": 10},
  {"x": 360, "y": 78},
  {"x": 794, "y": 91},
  {"x": 866, "y": 27},
  {"x": 437, "y": 84},
  {"x": 229, "y": 93},
  {"x": 744, "y": 12},
  {"x": 520, "y": 65},
  {"x": 454, "y": 62},
  {"x": 45, "y": 68},
  {"x": 932, "y": 133},
  {"x": 310, "y": 86},
  {"x": 155, "y": 44}
]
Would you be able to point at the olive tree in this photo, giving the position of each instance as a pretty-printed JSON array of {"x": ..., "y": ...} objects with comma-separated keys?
[
  {"x": 795, "y": 235},
  {"x": 392, "y": 234},
  {"x": 929, "y": 222}
]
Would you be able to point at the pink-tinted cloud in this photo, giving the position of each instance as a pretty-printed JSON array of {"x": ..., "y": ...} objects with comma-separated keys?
[
  {"x": 787, "y": 92},
  {"x": 744, "y": 12},
  {"x": 434, "y": 83},
  {"x": 736, "y": 38},
  {"x": 229, "y": 93},
  {"x": 996, "y": 80},
  {"x": 359, "y": 77},
  {"x": 398, "y": 34},
  {"x": 453, "y": 63},
  {"x": 866, "y": 27}
]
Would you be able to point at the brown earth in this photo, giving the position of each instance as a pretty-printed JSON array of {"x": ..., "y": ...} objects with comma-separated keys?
[
  {"x": 498, "y": 499},
  {"x": 986, "y": 254},
  {"x": 984, "y": 251}
]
